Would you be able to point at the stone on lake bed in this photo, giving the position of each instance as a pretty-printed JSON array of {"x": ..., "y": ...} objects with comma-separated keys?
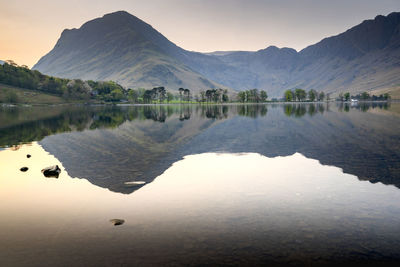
[
  {"x": 52, "y": 171},
  {"x": 28, "y": 156},
  {"x": 116, "y": 222},
  {"x": 134, "y": 183},
  {"x": 23, "y": 169}
]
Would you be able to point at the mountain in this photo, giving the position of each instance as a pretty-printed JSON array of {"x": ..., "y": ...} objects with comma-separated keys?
[
  {"x": 123, "y": 48},
  {"x": 366, "y": 57}
]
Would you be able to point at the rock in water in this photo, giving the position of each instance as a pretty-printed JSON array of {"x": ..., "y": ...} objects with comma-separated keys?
[
  {"x": 28, "y": 156},
  {"x": 23, "y": 169},
  {"x": 135, "y": 183},
  {"x": 52, "y": 171},
  {"x": 117, "y": 221}
]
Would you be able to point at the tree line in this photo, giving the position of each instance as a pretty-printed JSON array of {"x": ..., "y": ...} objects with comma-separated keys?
[
  {"x": 299, "y": 94},
  {"x": 109, "y": 91},
  {"x": 252, "y": 96},
  {"x": 364, "y": 96},
  {"x": 23, "y": 77}
]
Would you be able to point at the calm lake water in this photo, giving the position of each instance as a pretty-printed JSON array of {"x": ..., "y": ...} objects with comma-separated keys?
[{"x": 200, "y": 185}]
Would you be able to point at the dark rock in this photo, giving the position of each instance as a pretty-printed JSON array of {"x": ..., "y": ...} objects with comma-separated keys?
[
  {"x": 116, "y": 222},
  {"x": 23, "y": 169},
  {"x": 52, "y": 171},
  {"x": 28, "y": 156}
]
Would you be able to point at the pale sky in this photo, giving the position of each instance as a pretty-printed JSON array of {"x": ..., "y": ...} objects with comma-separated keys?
[{"x": 29, "y": 29}]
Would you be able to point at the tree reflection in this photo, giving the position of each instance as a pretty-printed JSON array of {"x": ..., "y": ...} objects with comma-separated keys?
[
  {"x": 22, "y": 125},
  {"x": 252, "y": 111},
  {"x": 299, "y": 110}
]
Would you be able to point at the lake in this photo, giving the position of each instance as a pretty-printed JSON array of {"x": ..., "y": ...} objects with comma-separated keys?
[{"x": 292, "y": 184}]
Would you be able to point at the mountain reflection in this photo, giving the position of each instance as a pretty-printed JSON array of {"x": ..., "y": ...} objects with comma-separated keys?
[{"x": 112, "y": 145}]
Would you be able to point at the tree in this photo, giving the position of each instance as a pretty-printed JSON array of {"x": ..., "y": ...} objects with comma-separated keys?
[
  {"x": 117, "y": 95},
  {"x": 133, "y": 95},
  {"x": 225, "y": 97},
  {"x": 181, "y": 90},
  {"x": 288, "y": 96},
  {"x": 300, "y": 94},
  {"x": 11, "y": 62},
  {"x": 312, "y": 95},
  {"x": 161, "y": 93},
  {"x": 386, "y": 96},
  {"x": 242, "y": 97},
  {"x": 365, "y": 96},
  {"x": 321, "y": 96},
  {"x": 263, "y": 96},
  {"x": 346, "y": 96},
  {"x": 170, "y": 97},
  {"x": 209, "y": 95},
  {"x": 341, "y": 97},
  {"x": 328, "y": 97},
  {"x": 253, "y": 96},
  {"x": 186, "y": 93},
  {"x": 202, "y": 96},
  {"x": 215, "y": 95},
  {"x": 147, "y": 96}
]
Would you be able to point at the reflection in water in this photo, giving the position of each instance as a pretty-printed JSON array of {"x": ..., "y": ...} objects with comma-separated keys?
[
  {"x": 113, "y": 145},
  {"x": 280, "y": 204},
  {"x": 233, "y": 209},
  {"x": 22, "y": 125}
]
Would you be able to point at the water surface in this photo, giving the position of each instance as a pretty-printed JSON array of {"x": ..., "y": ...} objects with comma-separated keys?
[{"x": 294, "y": 184}]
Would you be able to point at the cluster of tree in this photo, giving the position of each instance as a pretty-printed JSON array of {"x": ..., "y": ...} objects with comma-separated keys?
[
  {"x": 108, "y": 91},
  {"x": 299, "y": 94},
  {"x": 160, "y": 95},
  {"x": 22, "y": 76},
  {"x": 69, "y": 89},
  {"x": 363, "y": 96},
  {"x": 252, "y": 96},
  {"x": 184, "y": 94},
  {"x": 156, "y": 94},
  {"x": 213, "y": 95}
]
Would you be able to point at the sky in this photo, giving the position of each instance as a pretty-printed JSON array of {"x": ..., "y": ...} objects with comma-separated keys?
[{"x": 30, "y": 29}]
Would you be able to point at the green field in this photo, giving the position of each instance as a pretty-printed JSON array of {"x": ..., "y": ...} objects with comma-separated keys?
[{"x": 15, "y": 95}]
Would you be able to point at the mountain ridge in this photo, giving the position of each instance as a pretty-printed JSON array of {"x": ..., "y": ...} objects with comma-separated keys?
[
  {"x": 121, "y": 47},
  {"x": 86, "y": 54}
]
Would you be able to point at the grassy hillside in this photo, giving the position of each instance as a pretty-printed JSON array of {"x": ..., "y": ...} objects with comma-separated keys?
[
  {"x": 11, "y": 94},
  {"x": 394, "y": 91}
]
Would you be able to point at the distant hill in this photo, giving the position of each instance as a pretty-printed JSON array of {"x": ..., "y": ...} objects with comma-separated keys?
[
  {"x": 366, "y": 57},
  {"x": 123, "y": 48}
]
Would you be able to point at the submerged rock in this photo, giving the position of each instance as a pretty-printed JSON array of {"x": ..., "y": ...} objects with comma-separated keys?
[
  {"x": 116, "y": 222},
  {"x": 23, "y": 169},
  {"x": 134, "y": 183},
  {"x": 28, "y": 156},
  {"x": 52, "y": 171}
]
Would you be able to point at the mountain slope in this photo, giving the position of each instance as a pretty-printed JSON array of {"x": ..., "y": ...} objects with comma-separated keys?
[
  {"x": 122, "y": 48},
  {"x": 366, "y": 57}
]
